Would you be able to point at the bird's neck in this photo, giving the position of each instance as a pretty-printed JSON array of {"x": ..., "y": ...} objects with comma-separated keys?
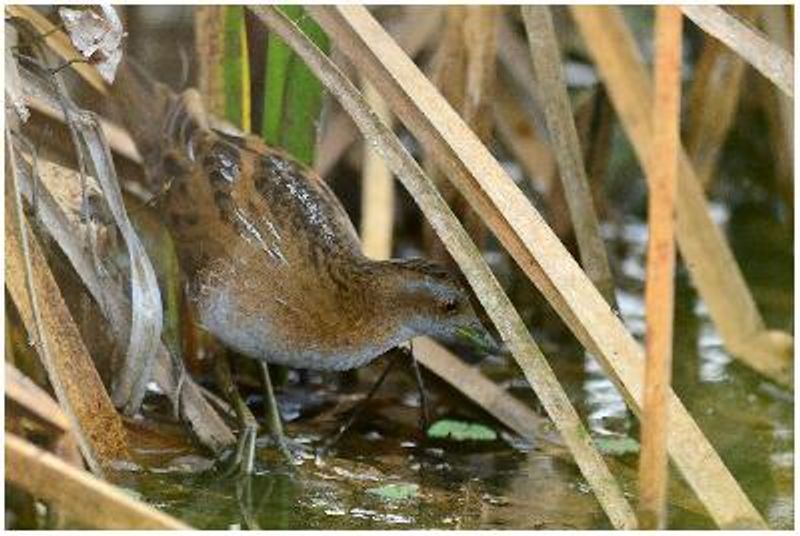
[{"x": 393, "y": 293}]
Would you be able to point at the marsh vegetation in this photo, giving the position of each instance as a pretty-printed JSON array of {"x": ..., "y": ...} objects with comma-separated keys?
[{"x": 614, "y": 186}]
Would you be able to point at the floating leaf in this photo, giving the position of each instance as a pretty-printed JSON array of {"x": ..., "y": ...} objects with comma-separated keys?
[
  {"x": 461, "y": 431},
  {"x": 617, "y": 445},
  {"x": 396, "y": 492}
]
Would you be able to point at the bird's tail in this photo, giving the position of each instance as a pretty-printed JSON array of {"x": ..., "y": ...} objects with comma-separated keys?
[
  {"x": 157, "y": 118},
  {"x": 141, "y": 103}
]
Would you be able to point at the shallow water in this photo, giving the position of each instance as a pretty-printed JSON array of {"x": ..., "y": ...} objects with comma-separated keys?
[{"x": 507, "y": 483}]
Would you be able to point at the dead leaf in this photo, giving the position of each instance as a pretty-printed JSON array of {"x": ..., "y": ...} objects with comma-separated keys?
[
  {"x": 13, "y": 85},
  {"x": 98, "y": 37}
]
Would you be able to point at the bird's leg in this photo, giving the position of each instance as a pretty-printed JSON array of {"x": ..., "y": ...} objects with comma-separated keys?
[
  {"x": 424, "y": 415},
  {"x": 244, "y": 457},
  {"x": 273, "y": 416},
  {"x": 361, "y": 405},
  {"x": 244, "y": 497}
]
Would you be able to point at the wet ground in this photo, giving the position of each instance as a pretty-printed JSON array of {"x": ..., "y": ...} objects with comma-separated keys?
[{"x": 385, "y": 474}]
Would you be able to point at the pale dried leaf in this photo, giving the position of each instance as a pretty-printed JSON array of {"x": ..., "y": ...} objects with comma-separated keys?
[
  {"x": 58, "y": 214},
  {"x": 13, "y": 84},
  {"x": 146, "y": 308},
  {"x": 98, "y": 37}
]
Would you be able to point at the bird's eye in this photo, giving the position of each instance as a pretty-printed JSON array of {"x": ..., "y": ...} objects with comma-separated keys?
[{"x": 450, "y": 306}]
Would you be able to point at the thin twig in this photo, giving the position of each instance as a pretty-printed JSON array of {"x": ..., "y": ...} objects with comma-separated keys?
[{"x": 58, "y": 42}]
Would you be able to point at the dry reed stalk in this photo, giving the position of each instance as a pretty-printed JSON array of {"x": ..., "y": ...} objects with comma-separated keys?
[
  {"x": 448, "y": 74},
  {"x": 77, "y": 493},
  {"x": 70, "y": 369},
  {"x": 776, "y": 20},
  {"x": 377, "y": 190},
  {"x": 465, "y": 71},
  {"x": 768, "y": 58},
  {"x": 210, "y": 47},
  {"x": 469, "y": 258},
  {"x": 594, "y": 123},
  {"x": 24, "y": 395},
  {"x": 779, "y": 107},
  {"x": 517, "y": 130},
  {"x": 480, "y": 44},
  {"x": 660, "y": 281},
  {"x": 414, "y": 33},
  {"x": 713, "y": 99},
  {"x": 546, "y": 59},
  {"x": 520, "y": 228},
  {"x": 614, "y": 51},
  {"x": 480, "y": 70},
  {"x": 706, "y": 253},
  {"x": 769, "y": 99}
]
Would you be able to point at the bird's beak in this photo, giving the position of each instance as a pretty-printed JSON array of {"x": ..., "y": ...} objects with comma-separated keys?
[{"x": 480, "y": 339}]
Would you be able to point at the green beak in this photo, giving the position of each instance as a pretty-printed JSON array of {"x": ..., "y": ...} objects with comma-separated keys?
[{"x": 479, "y": 338}]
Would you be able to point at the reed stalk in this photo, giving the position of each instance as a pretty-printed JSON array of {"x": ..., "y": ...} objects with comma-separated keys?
[{"x": 660, "y": 281}]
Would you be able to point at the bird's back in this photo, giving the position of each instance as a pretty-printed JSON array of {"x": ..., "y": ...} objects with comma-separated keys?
[{"x": 270, "y": 254}]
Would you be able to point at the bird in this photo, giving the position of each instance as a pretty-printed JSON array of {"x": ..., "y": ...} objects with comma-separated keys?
[{"x": 274, "y": 266}]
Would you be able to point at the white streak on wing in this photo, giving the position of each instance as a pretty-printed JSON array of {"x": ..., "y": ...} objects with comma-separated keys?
[
  {"x": 272, "y": 229},
  {"x": 190, "y": 149},
  {"x": 312, "y": 209},
  {"x": 254, "y": 234},
  {"x": 275, "y": 249},
  {"x": 251, "y": 229}
]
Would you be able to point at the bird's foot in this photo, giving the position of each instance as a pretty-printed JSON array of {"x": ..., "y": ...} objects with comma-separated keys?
[
  {"x": 242, "y": 463},
  {"x": 291, "y": 450}
]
